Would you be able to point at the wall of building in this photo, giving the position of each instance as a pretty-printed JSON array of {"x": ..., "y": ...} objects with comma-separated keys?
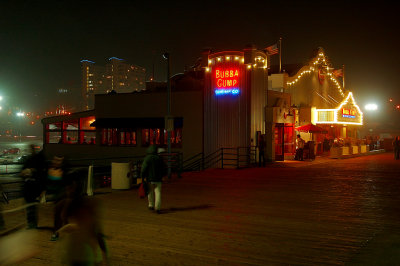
[
  {"x": 185, "y": 104},
  {"x": 233, "y": 120},
  {"x": 258, "y": 96},
  {"x": 277, "y": 82},
  {"x": 312, "y": 90}
]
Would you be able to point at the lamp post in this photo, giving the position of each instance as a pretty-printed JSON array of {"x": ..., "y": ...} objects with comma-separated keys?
[
  {"x": 167, "y": 120},
  {"x": 20, "y": 116}
]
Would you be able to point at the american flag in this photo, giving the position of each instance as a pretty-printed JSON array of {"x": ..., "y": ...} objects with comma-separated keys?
[
  {"x": 273, "y": 49},
  {"x": 338, "y": 72}
]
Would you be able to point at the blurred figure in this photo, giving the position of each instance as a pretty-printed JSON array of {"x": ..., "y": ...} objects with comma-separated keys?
[
  {"x": 396, "y": 148},
  {"x": 84, "y": 241},
  {"x": 18, "y": 246},
  {"x": 34, "y": 172},
  {"x": 55, "y": 190},
  {"x": 153, "y": 170}
]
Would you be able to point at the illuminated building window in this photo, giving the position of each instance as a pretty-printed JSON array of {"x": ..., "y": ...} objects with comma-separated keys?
[
  {"x": 118, "y": 137},
  {"x": 71, "y": 132},
  {"x": 158, "y": 136},
  {"x": 325, "y": 116}
]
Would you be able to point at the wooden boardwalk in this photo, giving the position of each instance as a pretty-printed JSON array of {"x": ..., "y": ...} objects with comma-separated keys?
[{"x": 335, "y": 212}]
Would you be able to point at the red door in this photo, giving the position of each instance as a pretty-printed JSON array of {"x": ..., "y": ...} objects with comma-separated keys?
[{"x": 279, "y": 142}]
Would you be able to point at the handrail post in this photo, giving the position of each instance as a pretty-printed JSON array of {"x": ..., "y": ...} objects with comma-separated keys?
[
  {"x": 89, "y": 181},
  {"x": 237, "y": 157},
  {"x": 248, "y": 155},
  {"x": 222, "y": 158},
  {"x": 202, "y": 161}
]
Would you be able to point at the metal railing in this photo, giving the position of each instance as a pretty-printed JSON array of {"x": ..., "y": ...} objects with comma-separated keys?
[{"x": 223, "y": 158}]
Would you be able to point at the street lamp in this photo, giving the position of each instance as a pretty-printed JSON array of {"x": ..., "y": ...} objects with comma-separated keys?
[
  {"x": 168, "y": 118},
  {"x": 20, "y": 115},
  {"x": 371, "y": 107}
]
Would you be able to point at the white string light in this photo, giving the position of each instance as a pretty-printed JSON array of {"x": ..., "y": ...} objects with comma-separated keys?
[{"x": 321, "y": 57}]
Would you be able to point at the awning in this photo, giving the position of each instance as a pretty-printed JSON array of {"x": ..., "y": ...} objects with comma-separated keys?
[
  {"x": 310, "y": 128},
  {"x": 135, "y": 123}
]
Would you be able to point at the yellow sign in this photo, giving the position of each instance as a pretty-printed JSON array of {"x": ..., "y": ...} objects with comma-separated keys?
[{"x": 348, "y": 112}]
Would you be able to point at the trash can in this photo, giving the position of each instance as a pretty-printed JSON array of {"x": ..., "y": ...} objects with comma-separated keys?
[{"x": 119, "y": 176}]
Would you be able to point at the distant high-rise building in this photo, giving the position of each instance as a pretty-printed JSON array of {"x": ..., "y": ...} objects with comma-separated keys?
[{"x": 117, "y": 76}]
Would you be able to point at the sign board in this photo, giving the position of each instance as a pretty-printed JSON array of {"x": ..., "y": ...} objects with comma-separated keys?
[{"x": 226, "y": 80}]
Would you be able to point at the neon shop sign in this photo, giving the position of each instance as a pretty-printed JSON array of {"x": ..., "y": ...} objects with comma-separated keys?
[
  {"x": 349, "y": 113},
  {"x": 227, "y": 81}
]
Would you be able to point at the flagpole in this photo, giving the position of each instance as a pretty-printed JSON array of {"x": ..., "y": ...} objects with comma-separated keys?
[
  {"x": 280, "y": 55},
  {"x": 343, "y": 76}
]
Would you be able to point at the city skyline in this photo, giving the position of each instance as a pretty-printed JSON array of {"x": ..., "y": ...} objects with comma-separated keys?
[{"x": 45, "y": 43}]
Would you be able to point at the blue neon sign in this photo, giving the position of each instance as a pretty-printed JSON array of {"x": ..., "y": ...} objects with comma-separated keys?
[{"x": 223, "y": 91}]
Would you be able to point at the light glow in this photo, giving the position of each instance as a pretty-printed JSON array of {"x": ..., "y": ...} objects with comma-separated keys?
[
  {"x": 371, "y": 107},
  {"x": 345, "y": 112},
  {"x": 233, "y": 91},
  {"x": 226, "y": 78}
]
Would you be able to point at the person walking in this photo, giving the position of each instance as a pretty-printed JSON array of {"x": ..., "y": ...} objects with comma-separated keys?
[
  {"x": 396, "y": 148},
  {"x": 153, "y": 170},
  {"x": 300, "y": 147},
  {"x": 85, "y": 242},
  {"x": 33, "y": 172},
  {"x": 56, "y": 192}
]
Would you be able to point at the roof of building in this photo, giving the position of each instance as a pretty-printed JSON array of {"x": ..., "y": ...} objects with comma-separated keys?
[
  {"x": 290, "y": 69},
  {"x": 188, "y": 81}
]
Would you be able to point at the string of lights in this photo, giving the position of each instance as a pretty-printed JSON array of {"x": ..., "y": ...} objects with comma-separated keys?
[{"x": 320, "y": 60}]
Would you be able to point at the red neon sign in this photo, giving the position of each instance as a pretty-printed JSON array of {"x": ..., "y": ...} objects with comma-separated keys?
[
  {"x": 227, "y": 78},
  {"x": 350, "y": 113}
]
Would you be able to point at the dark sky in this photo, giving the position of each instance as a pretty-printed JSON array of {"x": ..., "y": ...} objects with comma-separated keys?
[{"x": 41, "y": 43}]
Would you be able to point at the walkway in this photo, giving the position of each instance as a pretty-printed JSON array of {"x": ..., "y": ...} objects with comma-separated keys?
[{"x": 333, "y": 212}]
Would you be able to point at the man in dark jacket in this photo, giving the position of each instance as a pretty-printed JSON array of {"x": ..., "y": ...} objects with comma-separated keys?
[
  {"x": 153, "y": 169},
  {"x": 34, "y": 172}
]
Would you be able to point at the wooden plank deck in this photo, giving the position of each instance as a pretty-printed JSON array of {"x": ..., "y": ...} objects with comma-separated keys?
[{"x": 335, "y": 212}]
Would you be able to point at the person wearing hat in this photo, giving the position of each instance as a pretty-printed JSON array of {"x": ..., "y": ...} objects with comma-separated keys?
[{"x": 153, "y": 170}]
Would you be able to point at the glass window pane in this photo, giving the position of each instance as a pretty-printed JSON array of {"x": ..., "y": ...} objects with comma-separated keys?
[
  {"x": 54, "y": 126},
  {"x": 72, "y": 137},
  {"x": 86, "y": 121},
  {"x": 53, "y": 137},
  {"x": 145, "y": 137},
  {"x": 88, "y": 137},
  {"x": 70, "y": 125}
]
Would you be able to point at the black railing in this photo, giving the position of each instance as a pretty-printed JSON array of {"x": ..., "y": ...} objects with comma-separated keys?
[{"x": 222, "y": 158}]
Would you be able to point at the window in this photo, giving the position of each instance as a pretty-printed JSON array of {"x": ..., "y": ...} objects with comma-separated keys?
[
  {"x": 72, "y": 131},
  {"x": 118, "y": 137},
  {"x": 145, "y": 137},
  {"x": 176, "y": 138},
  {"x": 53, "y": 132},
  {"x": 127, "y": 137},
  {"x": 159, "y": 137}
]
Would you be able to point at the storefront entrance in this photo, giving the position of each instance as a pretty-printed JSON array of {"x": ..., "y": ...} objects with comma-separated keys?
[{"x": 284, "y": 140}]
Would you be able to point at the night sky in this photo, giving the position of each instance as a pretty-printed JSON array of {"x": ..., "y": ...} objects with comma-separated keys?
[{"x": 42, "y": 44}]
